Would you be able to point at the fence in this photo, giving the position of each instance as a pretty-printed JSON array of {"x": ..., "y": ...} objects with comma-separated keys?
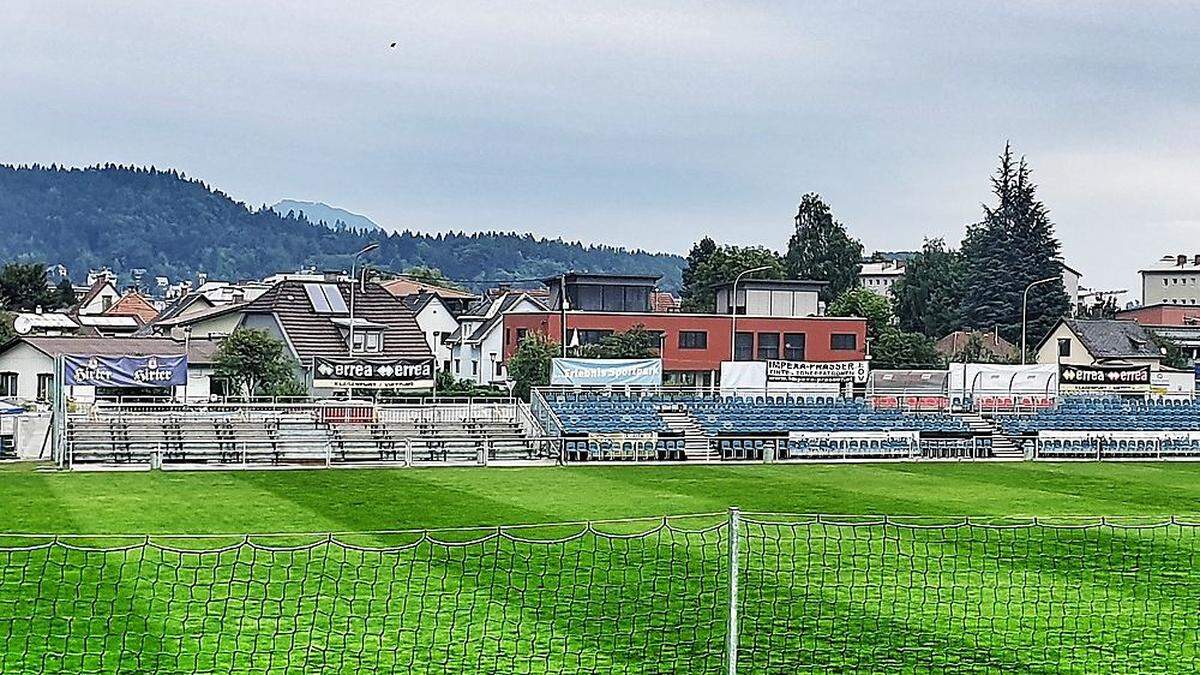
[{"x": 784, "y": 593}]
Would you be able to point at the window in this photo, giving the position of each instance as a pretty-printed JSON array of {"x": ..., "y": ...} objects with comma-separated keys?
[
  {"x": 499, "y": 368},
  {"x": 592, "y": 336},
  {"x": 359, "y": 341},
  {"x": 1064, "y": 347},
  {"x": 374, "y": 341},
  {"x": 793, "y": 346},
  {"x": 768, "y": 346},
  {"x": 743, "y": 347},
  {"x": 45, "y": 385},
  {"x": 589, "y": 298},
  {"x": 474, "y": 367},
  {"x": 521, "y": 333},
  {"x": 843, "y": 341},
  {"x": 693, "y": 339},
  {"x": 614, "y": 298},
  {"x": 8, "y": 384}
]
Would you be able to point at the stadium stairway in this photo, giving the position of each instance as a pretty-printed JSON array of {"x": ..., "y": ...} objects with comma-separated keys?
[
  {"x": 697, "y": 445},
  {"x": 1003, "y": 447}
]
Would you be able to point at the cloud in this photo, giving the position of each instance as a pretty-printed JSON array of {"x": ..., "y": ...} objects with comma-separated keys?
[{"x": 641, "y": 123}]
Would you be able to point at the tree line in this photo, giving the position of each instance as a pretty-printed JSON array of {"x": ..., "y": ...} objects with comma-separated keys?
[
  {"x": 979, "y": 286},
  {"x": 167, "y": 224}
]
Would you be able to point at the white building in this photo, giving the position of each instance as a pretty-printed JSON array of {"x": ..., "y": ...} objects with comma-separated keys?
[
  {"x": 101, "y": 295},
  {"x": 477, "y": 346},
  {"x": 1070, "y": 281},
  {"x": 879, "y": 277},
  {"x": 1173, "y": 280},
  {"x": 437, "y": 322},
  {"x": 27, "y": 365}
]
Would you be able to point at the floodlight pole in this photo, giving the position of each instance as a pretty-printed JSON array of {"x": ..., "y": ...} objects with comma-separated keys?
[
  {"x": 354, "y": 282},
  {"x": 1025, "y": 311},
  {"x": 733, "y": 309}
]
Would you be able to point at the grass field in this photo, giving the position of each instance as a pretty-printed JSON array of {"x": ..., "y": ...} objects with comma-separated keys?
[
  {"x": 359, "y": 500},
  {"x": 876, "y": 598}
]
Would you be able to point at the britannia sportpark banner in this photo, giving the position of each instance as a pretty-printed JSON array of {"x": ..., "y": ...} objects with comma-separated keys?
[
  {"x": 372, "y": 373},
  {"x": 817, "y": 371},
  {"x": 125, "y": 371},
  {"x": 1114, "y": 379},
  {"x": 606, "y": 372}
]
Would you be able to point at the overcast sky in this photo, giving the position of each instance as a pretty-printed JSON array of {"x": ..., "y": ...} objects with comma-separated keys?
[{"x": 640, "y": 124}]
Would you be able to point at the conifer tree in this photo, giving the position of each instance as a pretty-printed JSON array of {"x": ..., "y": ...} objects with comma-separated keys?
[{"x": 1013, "y": 246}]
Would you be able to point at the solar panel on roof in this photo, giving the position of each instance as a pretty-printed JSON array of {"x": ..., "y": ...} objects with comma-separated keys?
[
  {"x": 316, "y": 297},
  {"x": 333, "y": 297}
]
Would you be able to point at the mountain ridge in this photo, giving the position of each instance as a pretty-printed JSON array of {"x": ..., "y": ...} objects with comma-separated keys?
[
  {"x": 168, "y": 224},
  {"x": 330, "y": 216}
]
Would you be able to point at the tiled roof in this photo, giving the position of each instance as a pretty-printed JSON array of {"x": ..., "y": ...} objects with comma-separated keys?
[
  {"x": 312, "y": 334},
  {"x": 180, "y": 305},
  {"x": 1112, "y": 339},
  {"x": 989, "y": 341},
  {"x": 198, "y": 350},
  {"x": 492, "y": 312},
  {"x": 91, "y": 293},
  {"x": 133, "y": 304},
  {"x": 662, "y": 301},
  {"x": 406, "y": 286}
]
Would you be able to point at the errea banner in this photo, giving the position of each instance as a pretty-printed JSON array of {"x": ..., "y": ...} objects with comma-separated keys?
[
  {"x": 817, "y": 371},
  {"x": 1114, "y": 379},
  {"x": 126, "y": 371},
  {"x": 606, "y": 372},
  {"x": 372, "y": 374}
]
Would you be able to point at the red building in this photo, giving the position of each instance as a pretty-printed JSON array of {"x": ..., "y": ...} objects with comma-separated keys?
[
  {"x": 694, "y": 345},
  {"x": 1163, "y": 315}
]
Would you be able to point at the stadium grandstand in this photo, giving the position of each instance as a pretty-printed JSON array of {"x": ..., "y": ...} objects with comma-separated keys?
[{"x": 330, "y": 433}]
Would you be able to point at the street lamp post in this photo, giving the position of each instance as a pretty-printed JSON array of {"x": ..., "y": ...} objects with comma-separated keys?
[
  {"x": 1025, "y": 311},
  {"x": 733, "y": 309},
  {"x": 354, "y": 282}
]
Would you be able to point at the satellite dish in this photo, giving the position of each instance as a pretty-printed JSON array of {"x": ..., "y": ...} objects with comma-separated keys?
[{"x": 22, "y": 325}]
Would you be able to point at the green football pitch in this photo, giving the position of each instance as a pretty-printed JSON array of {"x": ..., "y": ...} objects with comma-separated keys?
[
  {"x": 361, "y": 500},
  {"x": 920, "y": 591}
]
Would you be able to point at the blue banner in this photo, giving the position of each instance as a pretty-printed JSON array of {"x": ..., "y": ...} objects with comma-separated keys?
[
  {"x": 606, "y": 372},
  {"x": 126, "y": 371}
]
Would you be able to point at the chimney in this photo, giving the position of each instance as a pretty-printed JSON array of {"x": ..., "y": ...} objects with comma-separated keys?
[{"x": 1181, "y": 260}]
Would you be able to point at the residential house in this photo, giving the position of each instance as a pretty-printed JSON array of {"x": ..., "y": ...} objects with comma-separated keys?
[
  {"x": 437, "y": 321},
  {"x": 27, "y": 366},
  {"x": 996, "y": 348},
  {"x": 1099, "y": 342},
  {"x": 880, "y": 277},
  {"x": 479, "y": 347},
  {"x": 382, "y": 346}
]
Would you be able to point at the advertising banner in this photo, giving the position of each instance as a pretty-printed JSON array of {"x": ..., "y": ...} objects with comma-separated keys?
[
  {"x": 606, "y": 372},
  {"x": 372, "y": 374},
  {"x": 814, "y": 371},
  {"x": 1104, "y": 379},
  {"x": 126, "y": 371}
]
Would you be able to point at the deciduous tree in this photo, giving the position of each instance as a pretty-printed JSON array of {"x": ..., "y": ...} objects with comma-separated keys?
[{"x": 821, "y": 249}]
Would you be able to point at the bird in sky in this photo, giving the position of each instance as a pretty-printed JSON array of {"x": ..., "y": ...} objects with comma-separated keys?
[{"x": 393, "y": 45}]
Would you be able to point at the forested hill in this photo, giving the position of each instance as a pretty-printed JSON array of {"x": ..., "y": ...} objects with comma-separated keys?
[{"x": 161, "y": 221}]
